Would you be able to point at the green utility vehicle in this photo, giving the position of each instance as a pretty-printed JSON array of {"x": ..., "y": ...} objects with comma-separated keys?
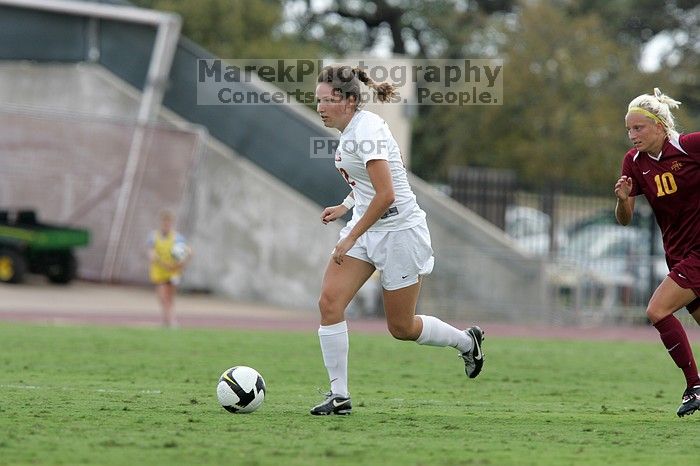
[{"x": 26, "y": 245}]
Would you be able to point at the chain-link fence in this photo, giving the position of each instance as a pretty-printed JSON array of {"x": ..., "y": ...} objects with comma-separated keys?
[{"x": 594, "y": 269}]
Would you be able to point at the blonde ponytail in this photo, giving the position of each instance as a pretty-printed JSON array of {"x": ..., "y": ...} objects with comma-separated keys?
[{"x": 664, "y": 99}]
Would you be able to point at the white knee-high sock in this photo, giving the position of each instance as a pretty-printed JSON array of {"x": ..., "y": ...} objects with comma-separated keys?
[
  {"x": 334, "y": 346},
  {"x": 438, "y": 333}
]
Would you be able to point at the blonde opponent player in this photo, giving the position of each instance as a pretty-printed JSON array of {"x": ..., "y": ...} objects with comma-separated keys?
[
  {"x": 664, "y": 166},
  {"x": 388, "y": 232},
  {"x": 165, "y": 270}
]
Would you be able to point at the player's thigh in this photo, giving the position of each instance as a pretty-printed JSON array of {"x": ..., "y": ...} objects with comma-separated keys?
[
  {"x": 342, "y": 281},
  {"x": 667, "y": 299},
  {"x": 403, "y": 256},
  {"x": 400, "y": 307}
]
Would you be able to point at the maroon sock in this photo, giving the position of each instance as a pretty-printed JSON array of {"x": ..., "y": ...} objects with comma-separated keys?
[{"x": 676, "y": 342}]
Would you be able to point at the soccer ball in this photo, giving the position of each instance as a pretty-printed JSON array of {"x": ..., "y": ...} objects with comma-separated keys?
[
  {"x": 241, "y": 389},
  {"x": 180, "y": 251}
]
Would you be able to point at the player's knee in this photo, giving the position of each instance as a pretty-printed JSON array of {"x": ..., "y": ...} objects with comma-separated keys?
[
  {"x": 655, "y": 314},
  {"x": 329, "y": 306},
  {"x": 401, "y": 330}
]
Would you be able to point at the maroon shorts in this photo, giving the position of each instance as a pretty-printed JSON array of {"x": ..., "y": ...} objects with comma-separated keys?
[{"x": 686, "y": 274}]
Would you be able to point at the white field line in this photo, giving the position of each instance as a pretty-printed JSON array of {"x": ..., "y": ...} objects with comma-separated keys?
[{"x": 98, "y": 390}]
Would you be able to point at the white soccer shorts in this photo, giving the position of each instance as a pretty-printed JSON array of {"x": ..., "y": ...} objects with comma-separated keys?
[{"x": 401, "y": 256}]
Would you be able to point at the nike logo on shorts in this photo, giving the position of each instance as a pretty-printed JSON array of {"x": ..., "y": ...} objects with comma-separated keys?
[{"x": 644, "y": 173}]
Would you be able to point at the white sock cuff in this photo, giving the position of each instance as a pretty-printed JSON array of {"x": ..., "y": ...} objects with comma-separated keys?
[
  {"x": 425, "y": 332},
  {"x": 340, "y": 327}
]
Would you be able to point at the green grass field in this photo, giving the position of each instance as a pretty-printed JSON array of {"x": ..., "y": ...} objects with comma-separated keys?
[{"x": 95, "y": 395}]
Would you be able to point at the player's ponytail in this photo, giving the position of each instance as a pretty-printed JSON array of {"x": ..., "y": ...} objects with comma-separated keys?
[
  {"x": 384, "y": 91},
  {"x": 664, "y": 99},
  {"x": 346, "y": 81}
]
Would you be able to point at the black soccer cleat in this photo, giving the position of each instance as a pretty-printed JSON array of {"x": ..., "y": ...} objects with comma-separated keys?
[
  {"x": 474, "y": 358},
  {"x": 333, "y": 404},
  {"x": 691, "y": 401}
]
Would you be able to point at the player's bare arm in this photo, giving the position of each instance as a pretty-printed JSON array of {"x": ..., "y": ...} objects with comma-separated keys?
[
  {"x": 380, "y": 176},
  {"x": 625, "y": 203},
  {"x": 333, "y": 213}
]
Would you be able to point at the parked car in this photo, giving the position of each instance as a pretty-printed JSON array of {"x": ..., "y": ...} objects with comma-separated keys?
[
  {"x": 606, "y": 216},
  {"x": 531, "y": 229},
  {"x": 612, "y": 258}
]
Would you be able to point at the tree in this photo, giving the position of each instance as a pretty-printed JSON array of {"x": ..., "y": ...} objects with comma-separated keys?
[
  {"x": 238, "y": 28},
  {"x": 435, "y": 28},
  {"x": 566, "y": 90},
  {"x": 638, "y": 22}
]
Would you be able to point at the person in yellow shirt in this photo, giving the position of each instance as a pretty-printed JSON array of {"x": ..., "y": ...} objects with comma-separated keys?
[{"x": 168, "y": 254}]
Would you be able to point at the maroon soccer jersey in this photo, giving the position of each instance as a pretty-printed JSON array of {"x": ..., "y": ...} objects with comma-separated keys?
[{"x": 671, "y": 185}]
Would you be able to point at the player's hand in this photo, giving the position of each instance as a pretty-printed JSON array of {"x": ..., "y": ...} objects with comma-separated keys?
[
  {"x": 341, "y": 248},
  {"x": 623, "y": 188},
  {"x": 330, "y": 214}
]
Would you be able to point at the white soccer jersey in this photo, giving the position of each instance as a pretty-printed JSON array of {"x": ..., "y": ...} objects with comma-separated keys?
[{"x": 367, "y": 137}]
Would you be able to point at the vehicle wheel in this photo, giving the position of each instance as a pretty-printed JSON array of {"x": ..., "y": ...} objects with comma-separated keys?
[
  {"x": 12, "y": 266},
  {"x": 63, "y": 270}
]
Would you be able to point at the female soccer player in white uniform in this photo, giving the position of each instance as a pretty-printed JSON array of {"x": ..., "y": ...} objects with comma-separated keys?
[{"x": 388, "y": 232}]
